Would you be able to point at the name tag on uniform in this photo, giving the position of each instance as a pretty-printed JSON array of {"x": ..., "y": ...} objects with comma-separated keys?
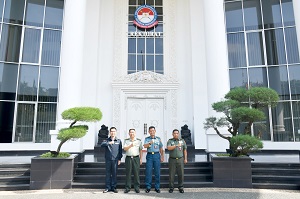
[{"x": 116, "y": 142}]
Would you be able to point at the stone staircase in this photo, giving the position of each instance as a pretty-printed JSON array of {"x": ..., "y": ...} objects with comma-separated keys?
[
  {"x": 276, "y": 175},
  {"x": 92, "y": 175},
  {"x": 14, "y": 177}
]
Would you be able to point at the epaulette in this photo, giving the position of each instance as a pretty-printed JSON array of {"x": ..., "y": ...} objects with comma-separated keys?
[{"x": 139, "y": 139}]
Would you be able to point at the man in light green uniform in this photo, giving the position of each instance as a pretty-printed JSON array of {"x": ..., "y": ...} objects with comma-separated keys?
[
  {"x": 133, "y": 147},
  {"x": 177, "y": 158}
]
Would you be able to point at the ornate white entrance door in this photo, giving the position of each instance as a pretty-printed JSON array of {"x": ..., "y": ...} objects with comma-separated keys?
[{"x": 142, "y": 113}]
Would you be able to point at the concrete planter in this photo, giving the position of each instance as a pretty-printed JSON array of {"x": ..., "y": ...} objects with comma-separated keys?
[
  {"x": 52, "y": 173},
  {"x": 232, "y": 172}
]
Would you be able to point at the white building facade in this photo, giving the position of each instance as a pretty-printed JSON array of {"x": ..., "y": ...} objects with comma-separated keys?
[{"x": 165, "y": 76}]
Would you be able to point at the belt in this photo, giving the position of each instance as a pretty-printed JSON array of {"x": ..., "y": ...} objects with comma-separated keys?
[
  {"x": 152, "y": 152},
  {"x": 128, "y": 156},
  {"x": 176, "y": 158}
]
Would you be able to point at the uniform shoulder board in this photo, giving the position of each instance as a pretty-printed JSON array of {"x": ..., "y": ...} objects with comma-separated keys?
[
  {"x": 138, "y": 139},
  {"x": 127, "y": 139},
  {"x": 157, "y": 137}
]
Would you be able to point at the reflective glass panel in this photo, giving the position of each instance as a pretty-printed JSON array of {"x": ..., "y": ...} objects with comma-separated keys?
[
  {"x": 140, "y": 62},
  {"x": 48, "y": 88},
  {"x": 7, "y": 110},
  {"x": 25, "y": 123},
  {"x": 282, "y": 122},
  {"x": 296, "y": 114},
  {"x": 1, "y": 10},
  {"x": 292, "y": 45},
  {"x": 158, "y": 46},
  {"x": 150, "y": 46},
  {"x": 51, "y": 47},
  {"x": 31, "y": 46},
  {"x": 28, "y": 83},
  {"x": 34, "y": 12},
  {"x": 271, "y": 12},
  {"x": 131, "y": 45},
  {"x": 132, "y": 62},
  {"x": 159, "y": 63},
  {"x": 141, "y": 45},
  {"x": 8, "y": 81},
  {"x": 261, "y": 129},
  {"x": 288, "y": 12},
  {"x": 10, "y": 43},
  {"x": 278, "y": 79},
  {"x": 294, "y": 72},
  {"x": 255, "y": 49},
  {"x": 54, "y": 14},
  {"x": 238, "y": 78},
  {"x": 236, "y": 50},
  {"x": 258, "y": 77},
  {"x": 252, "y": 15},
  {"x": 45, "y": 121},
  {"x": 13, "y": 12},
  {"x": 234, "y": 16},
  {"x": 150, "y": 63},
  {"x": 275, "y": 47}
]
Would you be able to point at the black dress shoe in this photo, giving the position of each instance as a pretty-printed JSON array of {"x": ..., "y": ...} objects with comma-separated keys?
[
  {"x": 137, "y": 191},
  {"x": 157, "y": 190},
  {"x": 171, "y": 190},
  {"x": 115, "y": 190},
  {"x": 126, "y": 190},
  {"x": 181, "y": 190},
  {"x": 147, "y": 190},
  {"x": 105, "y": 191}
]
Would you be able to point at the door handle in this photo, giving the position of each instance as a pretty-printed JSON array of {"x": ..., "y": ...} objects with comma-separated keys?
[{"x": 145, "y": 128}]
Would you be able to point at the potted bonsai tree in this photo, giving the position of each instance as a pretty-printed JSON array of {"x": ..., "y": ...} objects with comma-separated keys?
[
  {"x": 240, "y": 106},
  {"x": 54, "y": 170}
]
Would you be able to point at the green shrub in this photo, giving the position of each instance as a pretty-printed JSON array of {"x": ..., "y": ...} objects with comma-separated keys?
[{"x": 244, "y": 144}]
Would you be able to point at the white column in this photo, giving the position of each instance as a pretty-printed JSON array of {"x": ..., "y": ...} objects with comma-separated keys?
[
  {"x": 296, "y": 5},
  {"x": 198, "y": 62},
  {"x": 216, "y": 65},
  {"x": 72, "y": 55}
]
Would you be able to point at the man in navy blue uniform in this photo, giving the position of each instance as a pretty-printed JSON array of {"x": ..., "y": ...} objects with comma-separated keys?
[
  {"x": 155, "y": 155},
  {"x": 113, "y": 155}
]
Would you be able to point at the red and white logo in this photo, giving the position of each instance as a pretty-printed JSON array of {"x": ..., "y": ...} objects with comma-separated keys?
[{"x": 145, "y": 17}]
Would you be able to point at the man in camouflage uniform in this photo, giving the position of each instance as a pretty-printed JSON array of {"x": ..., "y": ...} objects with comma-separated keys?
[
  {"x": 177, "y": 158},
  {"x": 133, "y": 147}
]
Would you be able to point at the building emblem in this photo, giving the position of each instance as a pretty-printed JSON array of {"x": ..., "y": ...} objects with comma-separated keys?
[{"x": 145, "y": 17}]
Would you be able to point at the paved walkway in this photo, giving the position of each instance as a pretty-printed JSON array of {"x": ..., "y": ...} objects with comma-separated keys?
[{"x": 199, "y": 193}]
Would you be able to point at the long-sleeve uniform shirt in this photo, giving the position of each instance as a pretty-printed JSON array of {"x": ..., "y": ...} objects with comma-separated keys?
[{"x": 112, "y": 151}]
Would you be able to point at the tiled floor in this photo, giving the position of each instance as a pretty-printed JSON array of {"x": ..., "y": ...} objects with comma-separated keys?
[{"x": 192, "y": 157}]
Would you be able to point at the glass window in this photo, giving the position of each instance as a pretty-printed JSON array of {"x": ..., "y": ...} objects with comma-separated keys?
[
  {"x": 7, "y": 110},
  {"x": 25, "y": 123},
  {"x": 292, "y": 45},
  {"x": 278, "y": 79},
  {"x": 234, "y": 17},
  {"x": 8, "y": 81},
  {"x": 31, "y": 46},
  {"x": 144, "y": 49},
  {"x": 10, "y": 43},
  {"x": 28, "y": 83},
  {"x": 255, "y": 49},
  {"x": 236, "y": 50},
  {"x": 288, "y": 12},
  {"x": 1, "y": 10},
  {"x": 282, "y": 122},
  {"x": 34, "y": 12},
  {"x": 294, "y": 73},
  {"x": 252, "y": 15},
  {"x": 296, "y": 114},
  {"x": 54, "y": 14},
  {"x": 258, "y": 77},
  {"x": 271, "y": 13},
  {"x": 275, "y": 47},
  {"x": 51, "y": 47},
  {"x": 261, "y": 129},
  {"x": 238, "y": 78},
  {"x": 48, "y": 88},
  {"x": 45, "y": 121},
  {"x": 13, "y": 12}
]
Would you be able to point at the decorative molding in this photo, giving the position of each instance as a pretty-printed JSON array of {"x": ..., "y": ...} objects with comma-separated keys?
[
  {"x": 145, "y": 77},
  {"x": 116, "y": 107}
]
